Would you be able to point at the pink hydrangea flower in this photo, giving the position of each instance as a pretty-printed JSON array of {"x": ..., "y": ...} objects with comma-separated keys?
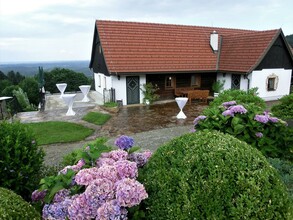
[
  {"x": 86, "y": 176},
  {"x": 126, "y": 169},
  {"x": 130, "y": 192}
]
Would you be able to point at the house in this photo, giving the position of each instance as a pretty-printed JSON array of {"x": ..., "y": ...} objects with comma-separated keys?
[{"x": 126, "y": 55}]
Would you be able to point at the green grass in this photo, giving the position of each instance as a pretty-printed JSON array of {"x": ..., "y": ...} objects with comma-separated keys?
[
  {"x": 59, "y": 132},
  {"x": 96, "y": 118}
]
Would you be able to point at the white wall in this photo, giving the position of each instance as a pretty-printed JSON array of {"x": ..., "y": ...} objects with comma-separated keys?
[
  {"x": 259, "y": 80},
  {"x": 118, "y": 84},
  {"x": 228, "y": 78}
]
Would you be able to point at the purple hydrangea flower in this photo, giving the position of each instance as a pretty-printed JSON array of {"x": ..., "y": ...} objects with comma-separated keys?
[
  {"x": 273, "y": 119},
  {"x": 228, "y": 113},
  {"x": 130, "y": 192},
  {"x": 199, "y": 118},
  {"x": 99, "y": 191},
  {"x": 262, "y": 118},
  {"x": 228, "y": 104},
  {"x": 57, "y": 210},
  {"x": 259, "y": 134},
  {"x": 111, "y": 210},
  {"x": 124, "y": 142},
  {"x": 237, "y": 109},
  {"x": 80, "y": 209},
  {"x": 61, "y": 195},
  {"x": 140, "y": 158},
  {"x": 38, "y": 195}
]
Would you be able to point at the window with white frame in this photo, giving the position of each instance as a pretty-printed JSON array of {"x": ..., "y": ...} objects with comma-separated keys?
[{"x": 272, "y": 82}]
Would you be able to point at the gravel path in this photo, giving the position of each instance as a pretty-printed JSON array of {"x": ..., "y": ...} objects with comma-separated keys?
[{"x": 150, "y": 140}]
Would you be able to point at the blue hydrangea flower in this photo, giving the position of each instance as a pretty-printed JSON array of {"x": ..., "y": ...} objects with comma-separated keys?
[{"x": 124, "y": 142}]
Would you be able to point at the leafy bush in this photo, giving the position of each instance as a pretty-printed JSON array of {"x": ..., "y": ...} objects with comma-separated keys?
[
  {"x": 20, "y": 158},
  {"x": 239, "y": 96},
  {"x": 12, "y": 206},
  {"x": 211, "y": 175},
  {"x": 30, "y": 86},
  {"x": 23, "y": 100},
  {"x": 96, "y": 148},
  {"x": 284, "y": 109},
  {"x": 247, "y": 122}
]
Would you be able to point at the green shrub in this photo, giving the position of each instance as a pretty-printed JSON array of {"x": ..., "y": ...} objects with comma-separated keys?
[
  {"x": 211, "y": 175},
  {"x": 20, "y": 158},
  {"x": 284, "y": 109},
  {"x": 285, "y": 169},
  {"x": 239, "y": 96},
  {"x": 13, "y": 207},
  {"x": 249, "y": 123}
]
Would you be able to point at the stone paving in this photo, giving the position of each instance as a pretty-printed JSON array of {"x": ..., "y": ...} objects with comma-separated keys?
[{"x": 150, "y": 126}]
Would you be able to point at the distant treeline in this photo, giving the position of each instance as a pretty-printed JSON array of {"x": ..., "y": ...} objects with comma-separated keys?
[{"x": 31, "y": 68}]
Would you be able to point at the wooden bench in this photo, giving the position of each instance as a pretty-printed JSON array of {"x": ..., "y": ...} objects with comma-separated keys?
[
  {"x": 198, "y": 94},
  {"x": 181, "y": 91}
]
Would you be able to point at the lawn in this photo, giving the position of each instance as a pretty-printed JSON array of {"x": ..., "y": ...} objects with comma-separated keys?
[
  {"x": 59, "y": 132},
  {"x": 96, "y": 118}
]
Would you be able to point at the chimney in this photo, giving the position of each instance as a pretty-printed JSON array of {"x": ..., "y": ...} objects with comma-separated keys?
[{"x": 214, "y": 41}]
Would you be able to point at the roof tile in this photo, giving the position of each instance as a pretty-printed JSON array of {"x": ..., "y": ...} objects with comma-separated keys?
[{"x": 148, "y": 47}]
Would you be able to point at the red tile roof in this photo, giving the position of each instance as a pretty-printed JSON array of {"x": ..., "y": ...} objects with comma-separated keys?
[{"x": 147, "y": 47}]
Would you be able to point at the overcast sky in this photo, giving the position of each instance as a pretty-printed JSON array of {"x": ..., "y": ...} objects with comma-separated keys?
[{"x": 57, "y": 30}]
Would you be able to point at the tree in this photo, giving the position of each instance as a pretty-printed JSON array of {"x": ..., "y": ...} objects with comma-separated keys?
[
  {"x": 30, "y": 86},
  {"x": 73, "y": 80},
  {"x": 2, "y": 76},
  {"x": 15, "y": 78}
]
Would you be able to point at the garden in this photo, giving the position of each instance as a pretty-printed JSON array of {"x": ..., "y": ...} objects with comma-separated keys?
[{"x": 236, "y": 163}]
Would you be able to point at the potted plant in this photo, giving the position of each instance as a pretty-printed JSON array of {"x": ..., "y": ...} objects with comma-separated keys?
[
  {"x": 149, "y": 93},
  {"x": 111, "y": 107},
  {"x": 217, "y": 87}
]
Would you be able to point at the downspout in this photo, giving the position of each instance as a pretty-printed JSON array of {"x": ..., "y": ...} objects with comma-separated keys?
[{"x": 248, "y": 80}]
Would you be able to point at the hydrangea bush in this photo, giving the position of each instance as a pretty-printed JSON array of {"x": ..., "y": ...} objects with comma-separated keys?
[
  {"x": 251, "y": 124},
  {"x": 103, "y": 190}
]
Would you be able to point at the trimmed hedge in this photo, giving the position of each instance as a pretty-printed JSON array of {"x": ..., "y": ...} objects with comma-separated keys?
[
  {"x": 20, "y": 159},
  {"x": 13, "y": 207},
  {"x": 211, "y": 175}
]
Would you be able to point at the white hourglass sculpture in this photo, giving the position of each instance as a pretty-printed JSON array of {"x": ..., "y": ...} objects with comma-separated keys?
[
  {"x": 68, "y": 99},
  {"x": 85, "y": 90},
  {"x": 181, "y": 101},
  {"x": 61, "y": 87}
]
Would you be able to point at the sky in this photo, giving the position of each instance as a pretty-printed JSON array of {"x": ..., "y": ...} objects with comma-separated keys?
[{"x": 60, "y": 30}]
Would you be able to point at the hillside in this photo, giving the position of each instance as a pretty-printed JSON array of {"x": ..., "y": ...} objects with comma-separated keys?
[{"x": 30, "y": 69}]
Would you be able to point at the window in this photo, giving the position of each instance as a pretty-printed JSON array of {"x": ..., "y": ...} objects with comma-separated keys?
[
  {"x": 272, "y": 82},
  {"x": 169, "y": 82},
  {"x": 235, "y": 81},
  {"x": 195, "y": 80}
]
